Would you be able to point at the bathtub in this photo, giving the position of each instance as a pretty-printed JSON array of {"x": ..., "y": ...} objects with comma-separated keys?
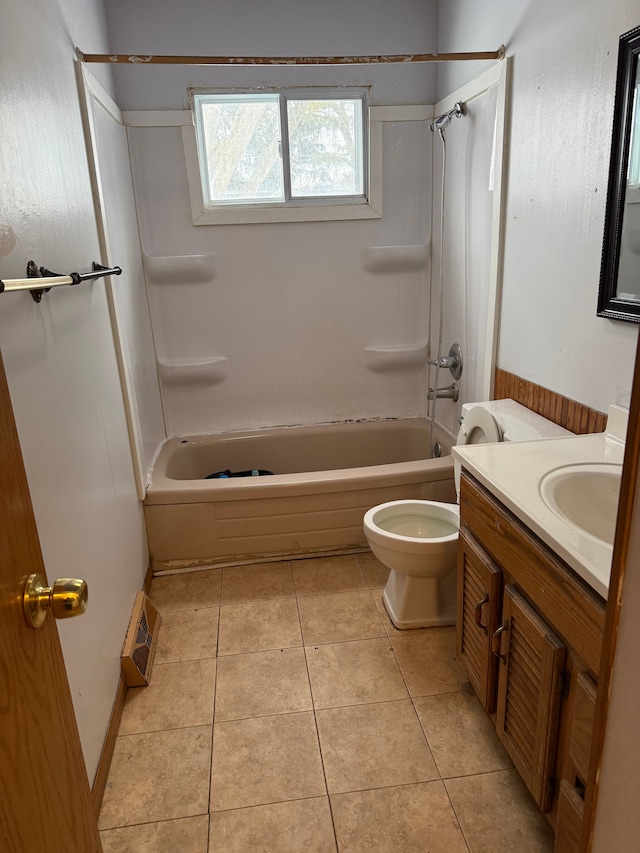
[{"x": 324, "y": 479}]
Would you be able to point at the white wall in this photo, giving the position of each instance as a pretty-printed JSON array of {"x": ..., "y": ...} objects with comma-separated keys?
[
  {"x": 564, "y": 69},
  {"x": 278, "y": 28},
  {"x": 59, "y": 355}
]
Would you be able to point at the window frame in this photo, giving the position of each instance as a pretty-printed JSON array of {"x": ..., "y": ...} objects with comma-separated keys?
[{"x": 307, "y": 208}]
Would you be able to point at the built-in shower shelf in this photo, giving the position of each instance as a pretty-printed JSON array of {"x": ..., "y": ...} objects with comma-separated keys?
[
  {"x": 205, "y": 371},
  {"x": 180, "y": 269},
  {"x": 385, "y": 259},
  {"x": 395, "y": 357}
]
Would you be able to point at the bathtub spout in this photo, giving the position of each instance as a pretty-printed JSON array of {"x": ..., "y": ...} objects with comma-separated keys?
[{"x": 451, "y": 392}]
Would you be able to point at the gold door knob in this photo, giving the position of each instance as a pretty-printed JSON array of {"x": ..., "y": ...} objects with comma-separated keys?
[{"x": 67, "y": 597}]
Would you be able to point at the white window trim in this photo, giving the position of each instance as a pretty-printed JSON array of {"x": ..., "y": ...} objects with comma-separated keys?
[
  {"x": 334, "y": 210},
  {"x": 291, "y": 210}
]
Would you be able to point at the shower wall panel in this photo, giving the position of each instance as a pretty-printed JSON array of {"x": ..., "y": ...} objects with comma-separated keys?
[
  {"x": 129, "y": 293},
  {"x": 293, "y": 323},
  {"x": 469, "y": 187}
]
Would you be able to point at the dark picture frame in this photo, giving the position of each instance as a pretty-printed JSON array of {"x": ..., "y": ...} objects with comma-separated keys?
[{"x": 609, "y": 303}]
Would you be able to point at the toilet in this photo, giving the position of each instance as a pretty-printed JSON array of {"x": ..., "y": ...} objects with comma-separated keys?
[{"x": 418, "y": 540}]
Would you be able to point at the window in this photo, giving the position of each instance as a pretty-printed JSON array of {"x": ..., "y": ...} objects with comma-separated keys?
[{"x": 281, "y": 150}]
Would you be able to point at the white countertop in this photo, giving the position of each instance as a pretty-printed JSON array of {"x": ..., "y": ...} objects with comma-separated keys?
[{"x": 512, "y": 472}]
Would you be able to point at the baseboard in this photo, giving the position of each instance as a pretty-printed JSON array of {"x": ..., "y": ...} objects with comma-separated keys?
[
  {"x": 104, "y": 765},
  {"x": 148, "y": 578}
]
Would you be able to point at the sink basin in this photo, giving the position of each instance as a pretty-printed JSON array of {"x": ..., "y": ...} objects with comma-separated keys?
[{"x": 585, "y": 496}]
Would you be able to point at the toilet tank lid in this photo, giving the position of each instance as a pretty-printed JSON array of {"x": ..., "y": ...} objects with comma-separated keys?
[{"x": 517, "y": 423}]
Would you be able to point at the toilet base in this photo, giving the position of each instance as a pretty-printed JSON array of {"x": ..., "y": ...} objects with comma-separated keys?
[{"x": 414, "y": 602}]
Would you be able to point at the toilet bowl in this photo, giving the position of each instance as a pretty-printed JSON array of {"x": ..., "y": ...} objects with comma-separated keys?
[{"x": 418, "y": 540}]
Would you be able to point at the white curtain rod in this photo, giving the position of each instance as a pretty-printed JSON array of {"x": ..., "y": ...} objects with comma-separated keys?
[{"x": 139, "y": 59}]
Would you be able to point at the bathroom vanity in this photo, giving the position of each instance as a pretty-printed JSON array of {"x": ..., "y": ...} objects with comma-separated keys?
[
  {"x": 532, "y": 587},
  {"x": 530, "y": 637}
]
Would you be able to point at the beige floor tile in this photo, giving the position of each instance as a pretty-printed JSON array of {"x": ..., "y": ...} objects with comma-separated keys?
[
  {"x": 188, "y": 591},
  {"x": 258, "y": 581},
  {"x": 428, "y": 662},
  {"x": 265, "y": 760},
  {"x": 328, "y": 574},
  {"x": 408, "y": 819},
  {"x": 188, "y": 635},
  {"x": 179, "y": 696},
  {"x": 256, "y": 626},
  {"x": 496, "y": 812},
  {"x": 157, "y": 776},
  {"x": 373, "y": 746},
  {"x": 301, "y": 825},
  {"x": 261, "y": 684},
  {"x": 188, "y": 835},
  {"x": 355, "y": 673},
  {"x": 462, "y": 737},
  {"x": 339, "y": 617},
  {"x": 376, "y": 573}
]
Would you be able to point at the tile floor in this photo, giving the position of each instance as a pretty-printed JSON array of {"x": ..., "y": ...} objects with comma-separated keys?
[{"x": 286, "y": 714}]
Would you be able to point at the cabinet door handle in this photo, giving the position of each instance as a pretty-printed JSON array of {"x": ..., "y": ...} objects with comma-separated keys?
[
  {"x": 478, "y": 612},
  {"x": 497, "y": 642}
]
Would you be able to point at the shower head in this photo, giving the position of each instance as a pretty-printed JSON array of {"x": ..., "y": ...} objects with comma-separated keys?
[{"x": 444, "y": 120}]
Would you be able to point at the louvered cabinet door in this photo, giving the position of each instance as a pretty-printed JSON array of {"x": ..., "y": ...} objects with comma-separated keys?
[
  {"x": 479, "y": 592},
  {"x": 529, "y": 694}
]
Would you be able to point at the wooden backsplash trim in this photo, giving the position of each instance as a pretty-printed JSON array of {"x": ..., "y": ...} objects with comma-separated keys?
[{"x": 561, "y": 410}]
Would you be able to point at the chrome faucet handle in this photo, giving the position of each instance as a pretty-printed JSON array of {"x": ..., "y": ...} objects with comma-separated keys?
[
  {"x": 452, "y": 362},
  {"x": 445, "y": 362}
]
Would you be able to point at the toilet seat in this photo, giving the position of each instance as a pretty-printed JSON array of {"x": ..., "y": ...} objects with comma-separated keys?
[{"x": 478, "y": 427}]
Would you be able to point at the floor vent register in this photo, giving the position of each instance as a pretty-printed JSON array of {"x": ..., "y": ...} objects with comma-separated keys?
[{"x": 141, "y": 641}]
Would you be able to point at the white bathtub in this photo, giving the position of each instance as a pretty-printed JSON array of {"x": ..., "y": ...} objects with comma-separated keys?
[{"x": 324, "y": 479}]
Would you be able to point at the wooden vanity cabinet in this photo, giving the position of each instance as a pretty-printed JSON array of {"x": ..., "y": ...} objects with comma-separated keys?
[
  {"x": 479, "y": 607},
  {"x": 530, "y": 683},
  {"x": 529, "y": 633}
]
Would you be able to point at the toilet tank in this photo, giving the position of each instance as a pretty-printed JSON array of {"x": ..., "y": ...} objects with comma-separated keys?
[{"x": 517, "y": 423}]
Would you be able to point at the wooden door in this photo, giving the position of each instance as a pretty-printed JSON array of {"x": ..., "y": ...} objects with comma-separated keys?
[
  {"x": 479, "y": 585},
  {"x": 44, "y": 793},
  {"x": 529, "y": 694}
]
